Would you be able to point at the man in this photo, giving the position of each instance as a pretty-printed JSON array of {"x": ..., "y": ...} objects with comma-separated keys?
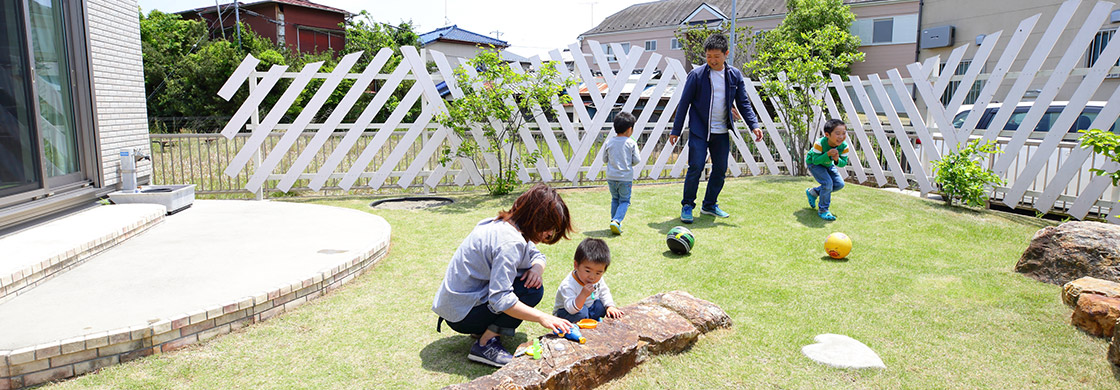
[{"x": 708, "y": 97}]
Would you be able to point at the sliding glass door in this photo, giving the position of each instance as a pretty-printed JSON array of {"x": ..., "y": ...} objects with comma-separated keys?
[
  {"x": 19, "y": 144},
  {"x": 40, "y": 140}
]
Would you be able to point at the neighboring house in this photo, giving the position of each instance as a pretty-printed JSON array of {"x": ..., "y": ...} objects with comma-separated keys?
[
  {"x": 71, "y": 97},
  {"x": 455, "y": 42},
  {"x": 303, "y": 26},
  {"x": 987, "y": 17},
  {"x": 888, "y": 28}
]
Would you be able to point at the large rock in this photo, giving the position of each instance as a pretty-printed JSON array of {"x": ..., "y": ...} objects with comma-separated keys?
[
  {"x": 1088, "y": 285},
  {"x": 664, "y": 323},
  {"x": 1114, "y": 347},
  {"x": 1096, "y": 314},
  {"x": 1059, "y": 254}
]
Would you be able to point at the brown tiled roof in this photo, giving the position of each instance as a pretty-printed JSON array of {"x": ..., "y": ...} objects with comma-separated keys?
[{"x": 673, "y": 12}]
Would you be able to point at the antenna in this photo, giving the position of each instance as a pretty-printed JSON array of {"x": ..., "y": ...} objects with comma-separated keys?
[
  {"x": 592, "y": 4},
  {"x": 446, "y": 21},
  {"x": 497, "y": 34}
]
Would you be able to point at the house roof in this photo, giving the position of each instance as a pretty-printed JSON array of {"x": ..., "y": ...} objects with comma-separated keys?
[
  {"x": 454, "y": 33},
  {"x": 298, "y": 3},
  {"x": 674, "y": 12}
]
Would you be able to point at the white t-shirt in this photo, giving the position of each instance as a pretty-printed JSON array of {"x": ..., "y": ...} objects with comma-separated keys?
[
  {"x": 718, "y": 115},
  {"x": 569, "y": 290}
]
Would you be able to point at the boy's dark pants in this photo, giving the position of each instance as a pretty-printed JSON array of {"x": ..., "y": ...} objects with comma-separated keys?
[
  {"x": 593, "y": 311},
  {"x": 719, "y": 145},
  {"x": 481, "y": 318}
]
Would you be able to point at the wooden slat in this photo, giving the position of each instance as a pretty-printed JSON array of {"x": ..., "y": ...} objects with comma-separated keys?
[
  {"x": 344, "y": 106},
  {"x": 1066, "y": 119},
  {"x": 1026, "y": 78},
  {"x": 343, "y": 148},
  {"x": 900, "y": 134},
  {"x": 261, "y": 132},
  {"x": 233, "y": 83},
  {"x": 772, "y": 130},
  {"x": 880, "y": 135},
  {"x": 280, "y": 150},
  {"x": 597, "y": 164},
  {"x": 252, "y": 103},
  {"x": 1053, "y": 85},
  {"x": 853, "y": 155},
  {"x": 1010, "y": 53}
]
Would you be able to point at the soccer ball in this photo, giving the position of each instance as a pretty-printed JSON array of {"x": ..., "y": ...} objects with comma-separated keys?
[
  {"x": 680, "y": 240},
  {"x": 838, "y": 245}
]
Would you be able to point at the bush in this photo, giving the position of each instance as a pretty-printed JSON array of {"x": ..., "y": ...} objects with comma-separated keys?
[
  {"x": 960, "y": 175},
  {"x": 1108, "y": 145}
]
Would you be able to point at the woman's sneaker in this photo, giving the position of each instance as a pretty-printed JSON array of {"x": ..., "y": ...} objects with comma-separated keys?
[{"x": 492, "y": 353}]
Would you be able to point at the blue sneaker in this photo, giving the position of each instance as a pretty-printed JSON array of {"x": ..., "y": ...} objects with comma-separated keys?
[
  {"x": 616, "y": 227},
  {"x": 714, "y": 210},
  {"x": 686, "y": 214},
  {"x": 827, "y": 216},
  {"x": 492, "y": 353},
  {"x": 812, "y": 198}
]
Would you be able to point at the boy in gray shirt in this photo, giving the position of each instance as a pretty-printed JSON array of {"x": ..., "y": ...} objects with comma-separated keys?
[{"x": 620, "y": 153}]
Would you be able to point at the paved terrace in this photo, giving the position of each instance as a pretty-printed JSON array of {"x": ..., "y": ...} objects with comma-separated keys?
[{"x": 179, "y": 279}]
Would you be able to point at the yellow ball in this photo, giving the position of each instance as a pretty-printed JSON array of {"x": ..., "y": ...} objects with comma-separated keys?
[{"x": 838, "y": 245}]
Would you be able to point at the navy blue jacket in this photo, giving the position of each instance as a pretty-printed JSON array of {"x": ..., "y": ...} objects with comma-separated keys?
[{"x": 696, "y": 100}]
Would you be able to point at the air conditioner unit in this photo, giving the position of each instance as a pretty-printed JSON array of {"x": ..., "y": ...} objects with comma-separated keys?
[{"x": 935, "y": 37}]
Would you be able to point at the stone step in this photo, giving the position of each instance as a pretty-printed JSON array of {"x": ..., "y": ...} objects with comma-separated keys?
[
  {"x": 32, "y": 256},
  {"x": 1088, "y": 285},
  {"x": 664, "y": 323},
  {"x": 1096, "y": 314}
]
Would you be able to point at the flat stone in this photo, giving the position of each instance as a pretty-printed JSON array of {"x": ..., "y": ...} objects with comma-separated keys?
[
  {"x": 1096, "y": 314},
  {"x": 842, "y": 352},
  {"x": 704, "y": 315},
  {"x": 1088, "y": 285},
  {"x": 613, "y": 348}
]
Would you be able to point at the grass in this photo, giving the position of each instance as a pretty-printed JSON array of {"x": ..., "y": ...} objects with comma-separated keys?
[{"x": 930, "y": 288}]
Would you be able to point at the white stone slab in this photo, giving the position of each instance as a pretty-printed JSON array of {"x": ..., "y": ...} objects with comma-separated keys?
[{"x": 842, "y": 352}]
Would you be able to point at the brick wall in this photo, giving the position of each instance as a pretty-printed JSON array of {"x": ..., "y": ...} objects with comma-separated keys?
[{"x": 118, "y": 82}]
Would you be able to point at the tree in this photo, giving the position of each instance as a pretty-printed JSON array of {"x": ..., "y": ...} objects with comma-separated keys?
[
  {"x": 497, "y": 100},
  {"x": 692, "y": 37},
  {"x": 792, "y": 64},
  {"x": 807, "y": 16}
]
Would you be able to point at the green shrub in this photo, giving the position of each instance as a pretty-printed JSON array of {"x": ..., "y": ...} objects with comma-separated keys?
[
  {"x": 1108, "y": 145},
  {"x": 961, "y": 177}
]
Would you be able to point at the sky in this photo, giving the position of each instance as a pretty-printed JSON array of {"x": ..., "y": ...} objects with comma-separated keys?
[{"x": 531, "y": 27}]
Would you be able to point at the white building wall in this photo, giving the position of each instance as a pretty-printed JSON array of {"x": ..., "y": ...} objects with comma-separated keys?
[{"x": 117, "y": 69}]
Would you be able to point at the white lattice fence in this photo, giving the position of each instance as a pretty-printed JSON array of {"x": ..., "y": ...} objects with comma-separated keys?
[
  {"x": 391, "y": 152},
  {"x": 1039, "y": 172}
]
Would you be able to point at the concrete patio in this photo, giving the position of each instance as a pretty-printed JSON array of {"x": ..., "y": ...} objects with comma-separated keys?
[{"x": 151, "y": 283}]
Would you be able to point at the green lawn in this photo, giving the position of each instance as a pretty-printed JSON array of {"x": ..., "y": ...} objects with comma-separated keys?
[{"x": 930, "y": 288}]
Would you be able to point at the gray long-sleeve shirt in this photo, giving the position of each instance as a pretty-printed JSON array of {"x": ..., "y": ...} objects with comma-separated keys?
[
  {"x": 621, "y": 155},
  {"x": 483, "y": 270}
]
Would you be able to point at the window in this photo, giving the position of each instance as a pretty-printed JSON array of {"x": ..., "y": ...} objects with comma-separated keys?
[
  {"x": 883, "y": 31},
  {"x": 625, "y": 47},
  {"x": 675, "y": 44},
  {"x": 1097, "y": 46},
  {"x": 651, "y": 45},
  {"x": 951, "y": 89},
  {"x": 609, "y": 52}
]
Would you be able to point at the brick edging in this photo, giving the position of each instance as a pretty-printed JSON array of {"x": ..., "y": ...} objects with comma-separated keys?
[
  {"x": 62, "y": 359},
  {"x": 23, "y": 280}
]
